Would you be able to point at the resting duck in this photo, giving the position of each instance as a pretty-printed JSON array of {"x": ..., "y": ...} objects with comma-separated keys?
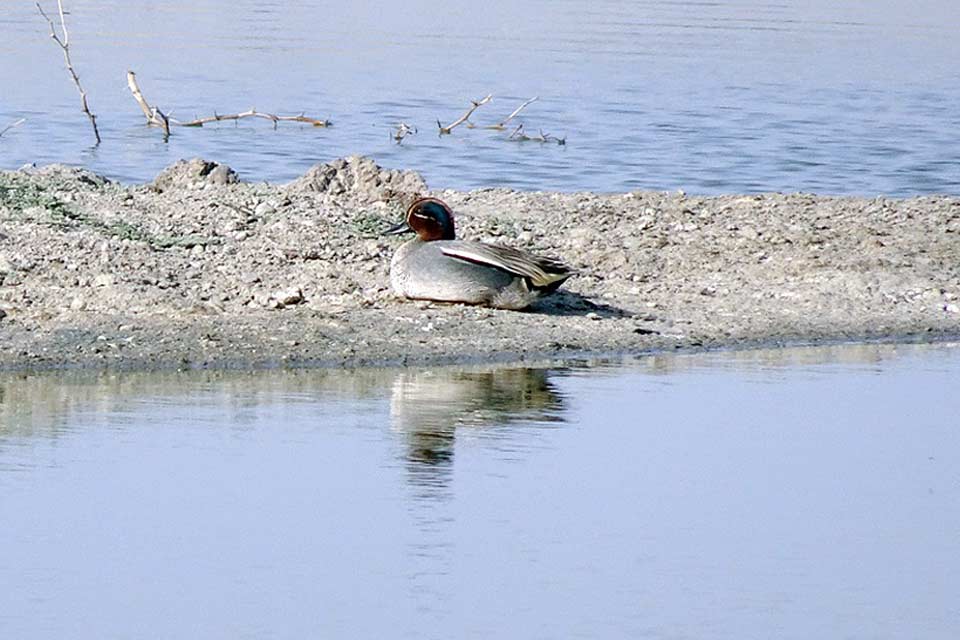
[{"x": 437, "y": 266}]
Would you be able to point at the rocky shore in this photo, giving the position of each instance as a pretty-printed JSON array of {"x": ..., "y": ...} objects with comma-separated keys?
[{"x": 200, "y": 269}]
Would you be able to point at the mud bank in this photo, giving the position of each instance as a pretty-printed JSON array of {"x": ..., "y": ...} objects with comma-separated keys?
[{"x": 199, "y": 269}]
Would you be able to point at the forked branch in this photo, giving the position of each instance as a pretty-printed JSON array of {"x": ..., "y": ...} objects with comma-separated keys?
[
  {"x": 157, "y": 118},
  {"x": 500, "y": 126},
  {"x": 519, "y": 136},
  {"x": 474, "y": 105},
  {"x": 64, "y": 44},
  {"x": 154, "y": 116},
  {"x": 403, "y": 130},
  {"x": 253, "y": 113}
]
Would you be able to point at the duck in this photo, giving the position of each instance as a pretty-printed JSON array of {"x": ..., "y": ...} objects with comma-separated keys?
[{"x": 436, "y": 266}]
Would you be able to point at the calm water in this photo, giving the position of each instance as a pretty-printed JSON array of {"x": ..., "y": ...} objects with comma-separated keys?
[
  {"x": 791, "y": 494},
  {"x": 858, "y": 97}
]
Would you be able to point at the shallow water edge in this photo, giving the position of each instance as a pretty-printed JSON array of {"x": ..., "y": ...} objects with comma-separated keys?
[{"x": 493, "y": 358}]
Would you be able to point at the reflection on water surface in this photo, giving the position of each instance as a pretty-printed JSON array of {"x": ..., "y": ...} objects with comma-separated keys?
[
  {"x": 429, "y": 408},
  {"x": 796, "y": 493}
]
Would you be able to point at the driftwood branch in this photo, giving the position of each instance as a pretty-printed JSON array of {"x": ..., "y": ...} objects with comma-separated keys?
[
  {"x": 403, "y": 130},
  {"x": 519, "y": 136},
  {"x": 156, "y": 118},
  {"x": 64, "y": 44},
  {"x": 252, "y": 113},
  {"x": 474, "y": 105},
  {"x": 500, "y": 126},
  {"x": 11, "y": 126}
]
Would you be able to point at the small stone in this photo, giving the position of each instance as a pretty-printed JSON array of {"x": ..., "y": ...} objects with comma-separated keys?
[
  {"x": 264, "y": 209},
  {"x": 593, "y": 315},
  {"x": 951, "y": 308},
  {"x": 103, "y": 280},
  {"x": 222, "y": 174},
  {"x": 78, "y": 304},
  {"x": 289, "y": 296}
]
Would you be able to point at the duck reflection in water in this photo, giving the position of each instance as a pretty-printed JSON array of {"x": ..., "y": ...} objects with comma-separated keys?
[{"x": 430, "y": 407}]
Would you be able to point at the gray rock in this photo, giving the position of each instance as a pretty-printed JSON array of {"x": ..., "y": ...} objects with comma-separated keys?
[
  {"x": 290, "y": 296},
  {"x": 187, "y": 174},
  {"x": 264, "y": 209},
  {"x": 360, "y": 178},
  {"x": 222, "y": 174}
]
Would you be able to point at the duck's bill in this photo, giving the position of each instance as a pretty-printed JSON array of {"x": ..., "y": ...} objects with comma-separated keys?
[{"x": 403, "y": 227}]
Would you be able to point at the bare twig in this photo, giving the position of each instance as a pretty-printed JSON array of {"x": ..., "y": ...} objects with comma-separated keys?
[
  {"x": 253, "y": 113},
  {"x": 154, "y": 116},
  {"x": 11, "y": 126},
  {"x": 138, "y": 96},
  {"x": 403, "y": 130},
  {"x": 474, "y": 105},
  {"x": 64, "y": 44},
  {"x": 500, "y": 126},
  {"x": 157, "y": 118},
  {"x": 164, "y": 121},
  {"x": 519, "y": 136}
]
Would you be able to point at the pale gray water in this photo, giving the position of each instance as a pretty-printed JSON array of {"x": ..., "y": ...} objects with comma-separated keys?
[
  {"x": 858, "y": 97},
  {"x": 810, "y": 493}
]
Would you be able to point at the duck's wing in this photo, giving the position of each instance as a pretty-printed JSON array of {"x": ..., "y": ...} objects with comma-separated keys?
[{"x": 540, "y": 271}]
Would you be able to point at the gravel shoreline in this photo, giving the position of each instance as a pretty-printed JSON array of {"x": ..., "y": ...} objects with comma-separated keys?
[{"x": 199, "y": 269}]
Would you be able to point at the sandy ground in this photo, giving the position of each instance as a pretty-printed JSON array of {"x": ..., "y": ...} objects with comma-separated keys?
[{"x": 199, "y": 269}]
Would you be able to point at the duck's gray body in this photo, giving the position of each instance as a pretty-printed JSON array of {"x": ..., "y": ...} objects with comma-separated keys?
[
  {"x": 421, "y": 270},
  {"x": 437, "y": 266}
]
